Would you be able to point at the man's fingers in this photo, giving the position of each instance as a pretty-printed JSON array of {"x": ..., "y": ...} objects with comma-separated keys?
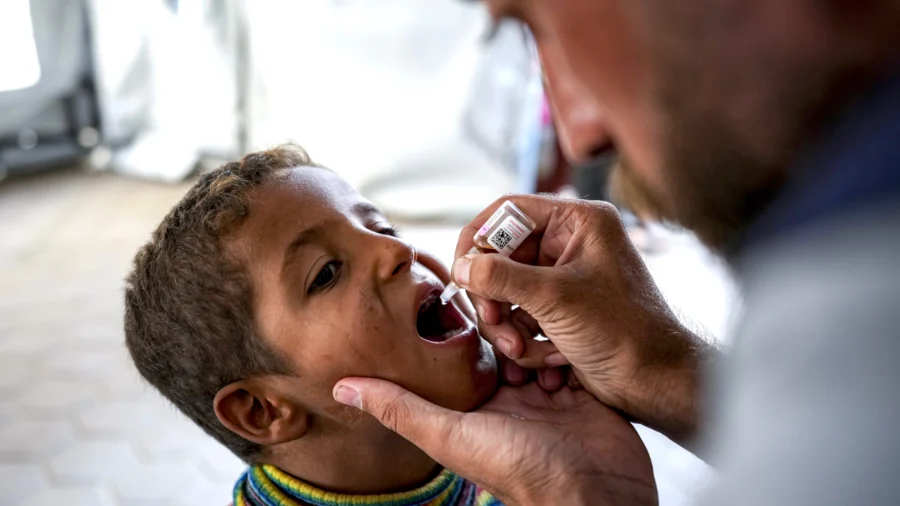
[
  {"x": 514, "y": 338},
  {"x": 489, "y": 311},
  {"x": 430, "y": 427},
  {"x": 511, "y": 372},
  {"x": 522, "y": 318},
  {"x": 536, "y": 354},
  {"x": 551, "y": 379},
  {"x": 505, "y": 336},
  {"x": 498, "y": 278}
]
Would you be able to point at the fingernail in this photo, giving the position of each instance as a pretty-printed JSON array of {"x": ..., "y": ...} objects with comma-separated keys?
[
  {"x": 505, "y": 345},
  {"x": 555, "y": 360},
  {"x": 348, "y": 396},
  {"x": 573, "y": 382},
  {"x": 480, "y": 310},
  {"x": 553, "y": 378},
  {"x": 461, "y": 271},
  {"x": 515, "y": 374}
]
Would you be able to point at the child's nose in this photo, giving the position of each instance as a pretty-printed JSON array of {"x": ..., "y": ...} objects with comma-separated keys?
[{"x": 395, "y": 257}]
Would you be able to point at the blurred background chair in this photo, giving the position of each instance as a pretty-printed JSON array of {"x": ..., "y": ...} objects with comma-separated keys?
[
  {"x": 147, "y": 88},
  {"x": 55, "y": 120}
]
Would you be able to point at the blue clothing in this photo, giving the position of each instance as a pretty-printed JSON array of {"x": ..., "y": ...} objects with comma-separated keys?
[
  {"x": 855, "y": 164},
  {"x": 805, "y": 407}
]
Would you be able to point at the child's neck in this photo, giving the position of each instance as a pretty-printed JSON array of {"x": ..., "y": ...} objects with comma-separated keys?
[{"x": 355, "y": 462}]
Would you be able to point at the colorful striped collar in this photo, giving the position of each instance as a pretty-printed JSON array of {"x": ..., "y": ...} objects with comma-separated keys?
[{"x": 266, "y": 485}]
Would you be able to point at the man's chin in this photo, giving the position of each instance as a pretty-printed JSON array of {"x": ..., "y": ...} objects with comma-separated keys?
[
  {"x": 626, "y": 188},
  {"x": 715, "y": 211}
]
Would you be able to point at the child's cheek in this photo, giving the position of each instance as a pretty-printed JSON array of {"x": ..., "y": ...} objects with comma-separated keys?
[{"x": 345, "y": 414}]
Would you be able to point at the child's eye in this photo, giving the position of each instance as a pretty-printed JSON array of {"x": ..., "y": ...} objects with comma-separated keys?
[
  {"x": 391, "y": 231},
  {"x": 326, "y": 276}
]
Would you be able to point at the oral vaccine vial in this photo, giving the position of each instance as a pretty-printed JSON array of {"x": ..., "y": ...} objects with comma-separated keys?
[{"x": 502, "y": 233}]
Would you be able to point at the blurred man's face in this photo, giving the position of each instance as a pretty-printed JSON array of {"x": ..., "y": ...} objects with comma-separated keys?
[{"x": 706, "y": 99}]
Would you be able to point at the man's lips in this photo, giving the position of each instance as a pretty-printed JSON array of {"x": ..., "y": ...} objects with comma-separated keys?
[{"x": 436, "y": 322}]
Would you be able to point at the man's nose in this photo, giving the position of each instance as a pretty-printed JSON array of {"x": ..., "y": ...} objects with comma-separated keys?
[
  {"x": 393, "y": 257},
  {"x": 577, "y": 115}
]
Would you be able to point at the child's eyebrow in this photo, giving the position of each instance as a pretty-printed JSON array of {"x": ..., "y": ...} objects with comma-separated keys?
[
  {"x": 366, "y": 209},
  {"x": 309, "y": 235}
]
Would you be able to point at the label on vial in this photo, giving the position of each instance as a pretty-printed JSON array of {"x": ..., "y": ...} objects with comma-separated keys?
[
  {"x": 508, "y": 236},
  {"x": 490, "y": 222}
]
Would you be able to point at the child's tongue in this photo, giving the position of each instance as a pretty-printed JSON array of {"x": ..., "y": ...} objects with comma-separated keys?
[{"x": 437, "y": 322}]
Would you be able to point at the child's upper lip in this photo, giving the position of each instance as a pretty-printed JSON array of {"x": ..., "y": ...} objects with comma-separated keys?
[{"x": 429, "y": 288}]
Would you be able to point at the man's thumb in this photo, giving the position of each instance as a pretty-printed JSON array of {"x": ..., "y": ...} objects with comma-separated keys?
[
  {"x": 428, "y": 426},
  {"x": 499, "y": 278}
]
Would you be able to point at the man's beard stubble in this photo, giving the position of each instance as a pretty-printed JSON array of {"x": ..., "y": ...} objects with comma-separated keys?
[
  {"x": 687, "y": 202},
  {"x": 732, "y": 125}
]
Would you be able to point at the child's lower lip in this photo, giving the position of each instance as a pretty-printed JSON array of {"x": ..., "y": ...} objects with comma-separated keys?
[{"x": 462, "y": 336}]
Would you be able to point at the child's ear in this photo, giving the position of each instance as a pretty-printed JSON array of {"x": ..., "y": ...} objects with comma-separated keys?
[{"x": 255, "y": 410}]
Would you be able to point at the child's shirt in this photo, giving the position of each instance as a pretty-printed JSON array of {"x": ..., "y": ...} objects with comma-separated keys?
[{"x": 265, "y": 485}]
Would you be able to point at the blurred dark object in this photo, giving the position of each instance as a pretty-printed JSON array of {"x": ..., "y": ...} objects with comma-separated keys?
[
  {"x": 56, "y": 121},
  {"x": 558, "y": 178},
  {"x": 591, "y": 180}
]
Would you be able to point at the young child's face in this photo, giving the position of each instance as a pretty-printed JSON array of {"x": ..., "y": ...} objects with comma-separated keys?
[{"x": 338, "y": 295}]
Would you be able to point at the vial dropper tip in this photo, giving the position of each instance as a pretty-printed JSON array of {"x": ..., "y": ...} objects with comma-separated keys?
[{"x": 449, "y": 292}]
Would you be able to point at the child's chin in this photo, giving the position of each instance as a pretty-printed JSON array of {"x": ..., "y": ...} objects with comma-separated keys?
[
  {"x": 473, "y": 392},
  {"x": 486, "y": 377},
  {"x": 466, "y": 386},
  {"x": 486, "y": 390}
]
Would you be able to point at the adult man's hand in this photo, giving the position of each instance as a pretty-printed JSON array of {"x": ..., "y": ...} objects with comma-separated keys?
[
  {"x": 526, "y": 446},
  {"x": 580, "y": 282}
]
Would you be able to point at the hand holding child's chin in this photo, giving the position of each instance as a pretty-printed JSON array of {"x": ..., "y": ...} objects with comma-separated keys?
[{"x": 576, "y": 437}]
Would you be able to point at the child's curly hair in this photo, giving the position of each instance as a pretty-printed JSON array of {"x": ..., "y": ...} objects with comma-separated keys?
[{"x": 189, "y": 323}]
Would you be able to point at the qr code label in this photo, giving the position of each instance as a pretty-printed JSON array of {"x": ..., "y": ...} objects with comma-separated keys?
[
  {"x": 508, "y": 236},
  {"x": 501, "y": 239}
]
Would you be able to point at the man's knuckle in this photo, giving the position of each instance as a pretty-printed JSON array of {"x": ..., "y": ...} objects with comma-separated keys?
[
  {"x": 599, "y": 210},
  {"x": 395, "y": 415},
  {"x": 605, "y": 207},
  {"x": 447, "y": 431},
  {"x": 486, "y": 272},
  {"x": 609, "y": 216},
  {"x": 564, "y": 290}
]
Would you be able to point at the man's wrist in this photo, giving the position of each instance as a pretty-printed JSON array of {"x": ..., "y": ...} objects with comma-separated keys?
[
  {"x": 668, "y": 396},
  {"x": 565, "y": 491},
  {"x": 612, "y": 490},
  {"x": 568, "y": 485}
]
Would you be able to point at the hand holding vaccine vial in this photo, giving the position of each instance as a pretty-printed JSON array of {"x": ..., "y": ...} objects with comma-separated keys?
[{"x": 506, "y": 229}]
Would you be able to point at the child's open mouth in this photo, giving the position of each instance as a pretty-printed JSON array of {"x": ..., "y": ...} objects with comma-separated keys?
[{"x": 436, "y": 322}]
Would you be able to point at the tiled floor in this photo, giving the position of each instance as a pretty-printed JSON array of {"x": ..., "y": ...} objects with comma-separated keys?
[{"x": 77, "y": 426}]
